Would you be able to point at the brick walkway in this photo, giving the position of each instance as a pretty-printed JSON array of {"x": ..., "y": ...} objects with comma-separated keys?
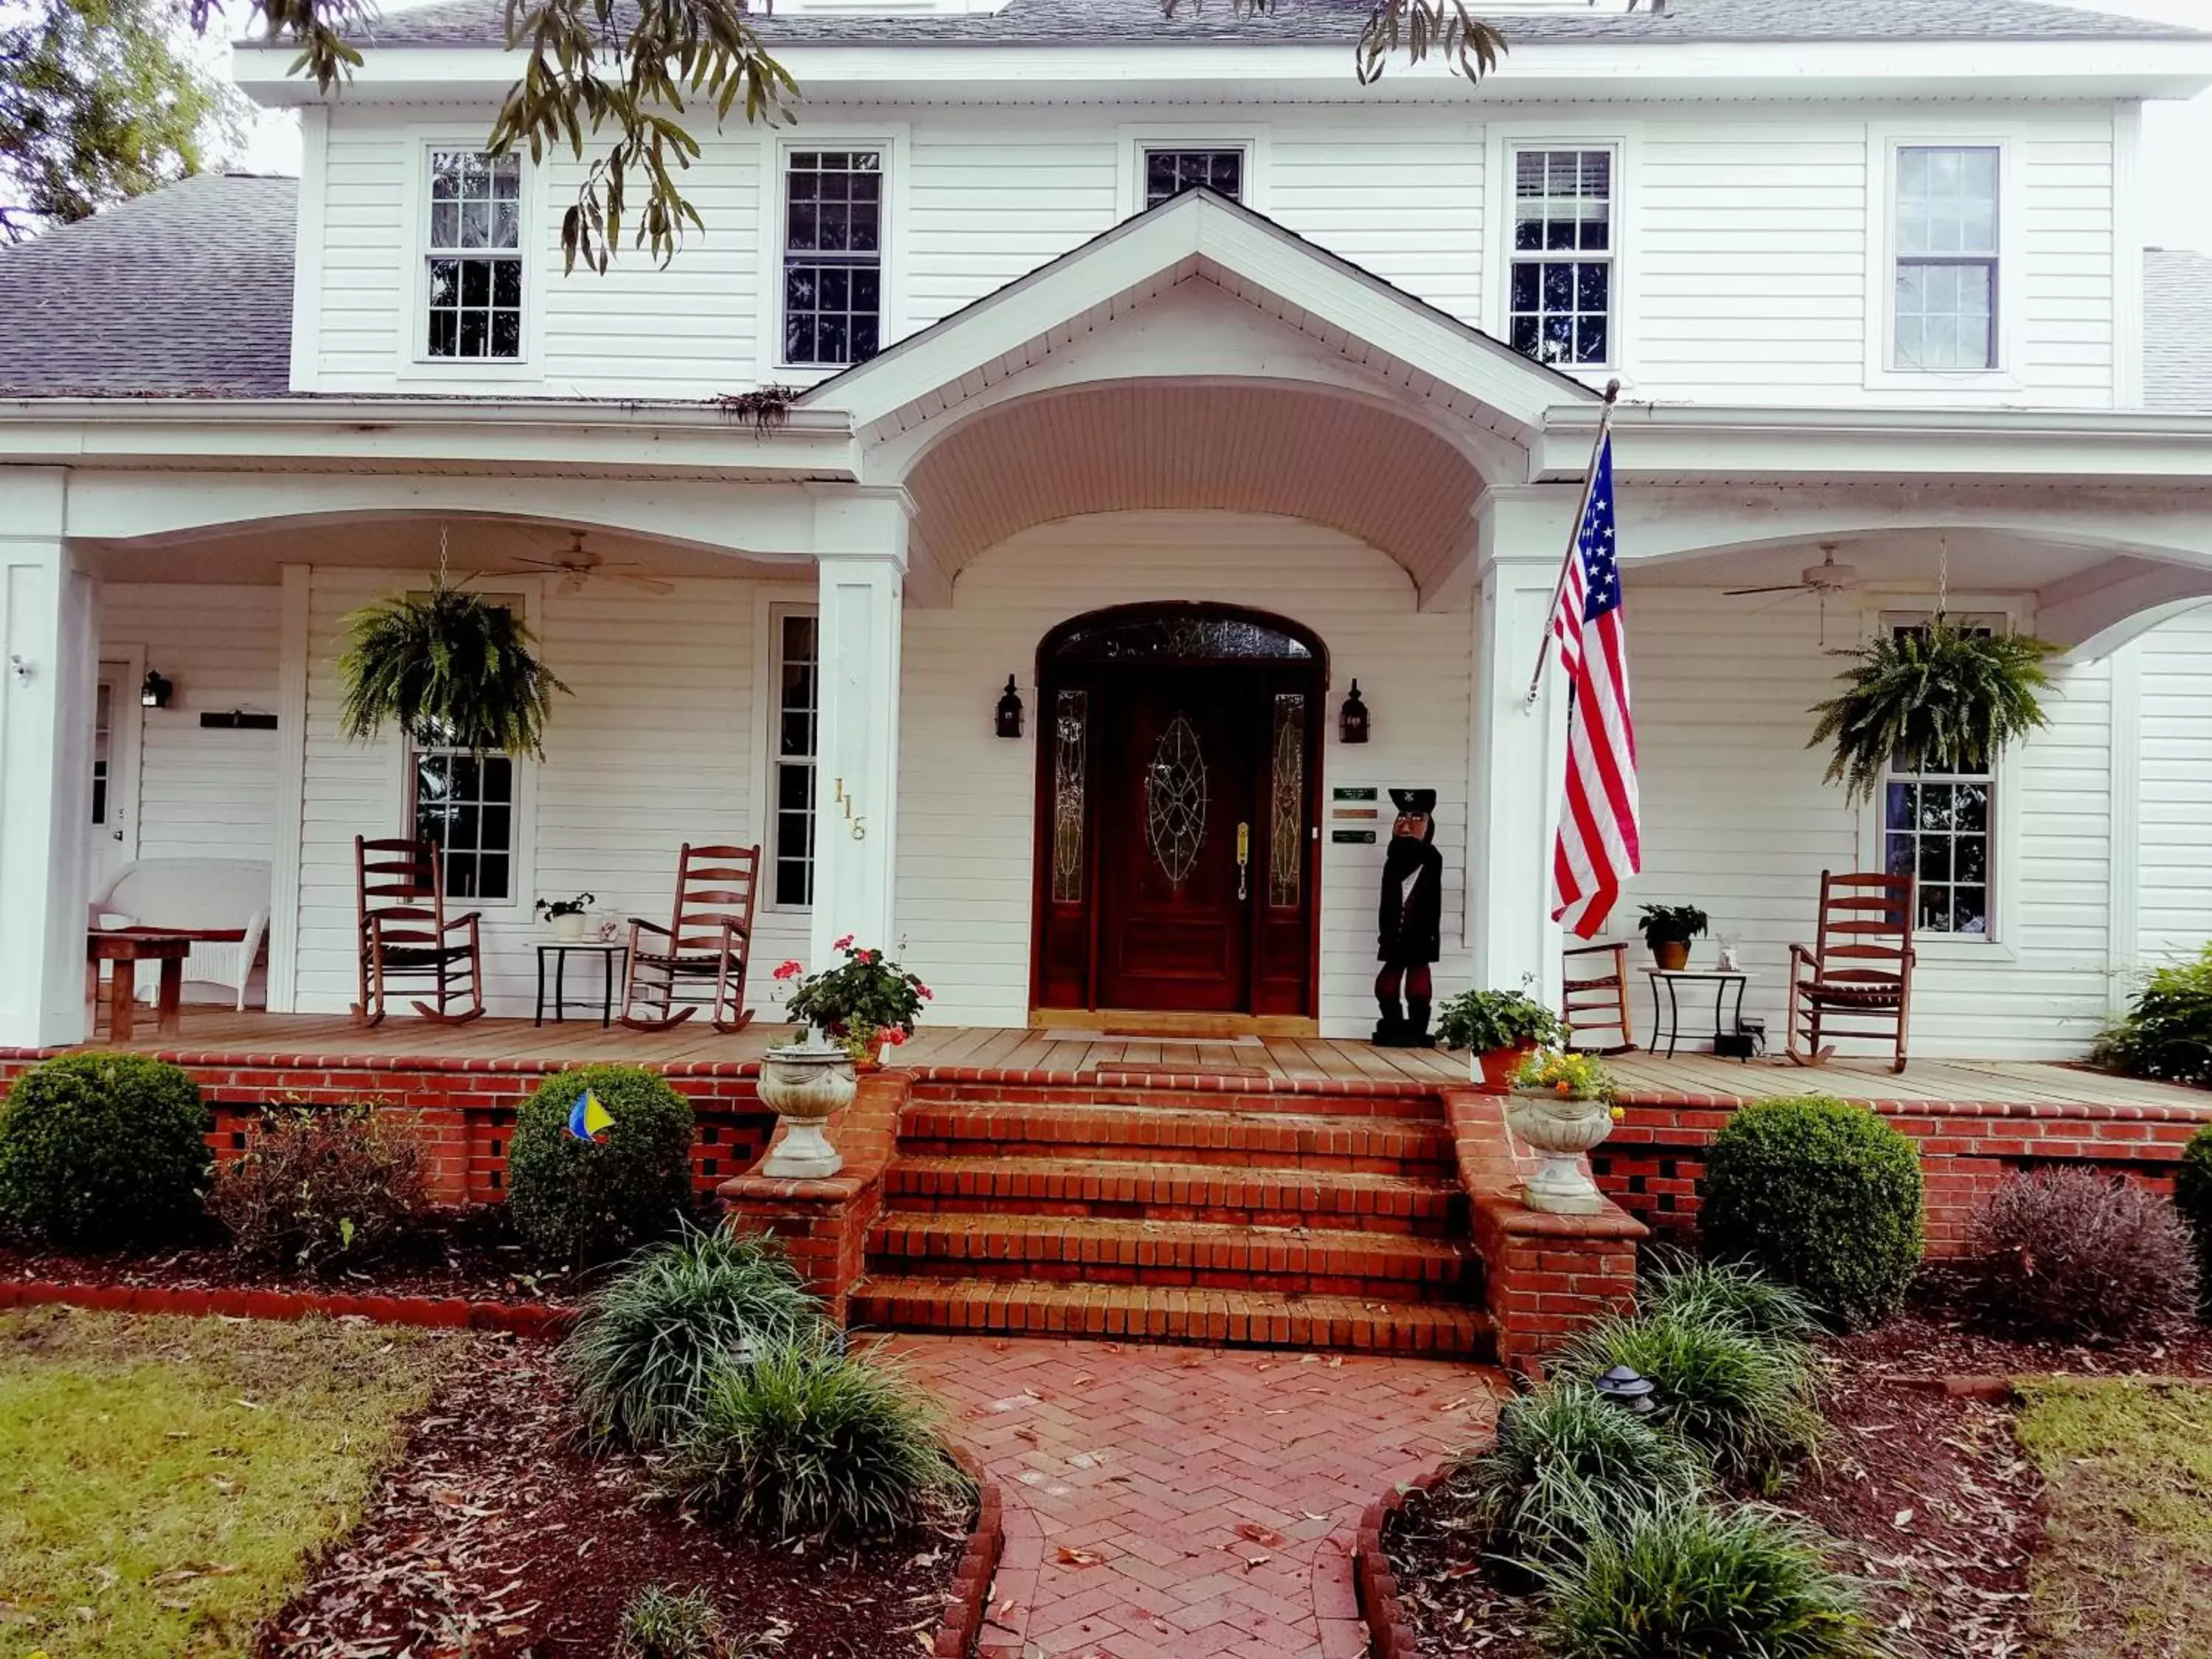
[{"x": 1167, "y": 1502}]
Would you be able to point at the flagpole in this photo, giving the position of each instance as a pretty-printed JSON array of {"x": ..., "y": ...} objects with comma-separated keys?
[{"x": 1574, "y": 539}]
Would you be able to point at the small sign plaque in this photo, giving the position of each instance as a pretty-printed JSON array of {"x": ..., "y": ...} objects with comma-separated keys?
[
  {"x": 1366, "y": 792},
  {"x": 1352, "y": 837}
]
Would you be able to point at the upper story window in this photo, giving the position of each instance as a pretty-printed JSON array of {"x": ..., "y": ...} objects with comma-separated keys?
[
  {"x": 1559, "y": 303},
  {"x": 1168, "y": 173},
  {"x": 475, "y": 255},
  {"x": 833, "y": 257},
  {"x": 1946, "y": 258}
]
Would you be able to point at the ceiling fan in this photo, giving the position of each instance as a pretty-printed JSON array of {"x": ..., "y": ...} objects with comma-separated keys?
[
  {"x": 1819, "y": 580},
  {"x": 579, "y": 565}
]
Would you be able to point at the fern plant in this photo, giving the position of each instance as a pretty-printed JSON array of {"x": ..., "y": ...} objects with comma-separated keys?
[
  {"x": 450, "y": 669},
  {"x": 1940, "y": 698}
]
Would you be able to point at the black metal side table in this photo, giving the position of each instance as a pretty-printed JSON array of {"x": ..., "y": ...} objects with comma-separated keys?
[
  {"x": 1719, "y": 978},
  {"x": 611, "y": 953}
]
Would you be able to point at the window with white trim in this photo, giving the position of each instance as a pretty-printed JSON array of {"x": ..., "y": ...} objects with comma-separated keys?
[
  {"x": 1168, "y": 173},
  {"x": 833, "y": 257},
  {"x": 465, "y": 803},
  {"x": 798, "y": 708},
  {"x": 1946, "y": 304},
  {"x": 473, "y": 257},
  {"x": 1559, "y": 295},
  {"x": 1940, "y": 827}
]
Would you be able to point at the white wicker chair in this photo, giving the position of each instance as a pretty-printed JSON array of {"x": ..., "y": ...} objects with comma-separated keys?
[{"x": 212, "y": 894}]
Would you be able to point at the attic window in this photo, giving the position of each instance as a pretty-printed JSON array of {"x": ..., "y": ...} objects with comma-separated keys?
[
  {"x": 1168, "y": 173},
  {"x": 475, "y": 256}
]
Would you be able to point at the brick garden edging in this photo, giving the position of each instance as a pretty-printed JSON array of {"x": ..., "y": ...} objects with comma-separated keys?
[
  {"x": 1389, "y": 1633},
  {"x": 428, "y": 1312},
  {"x": 970, "y": 1597}
]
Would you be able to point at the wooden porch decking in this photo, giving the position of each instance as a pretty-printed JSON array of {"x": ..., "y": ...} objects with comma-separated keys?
[{"x": 211, "y": 1032}]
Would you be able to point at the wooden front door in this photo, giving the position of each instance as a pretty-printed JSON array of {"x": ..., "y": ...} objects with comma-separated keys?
[{"x": 1175, "y": 862}]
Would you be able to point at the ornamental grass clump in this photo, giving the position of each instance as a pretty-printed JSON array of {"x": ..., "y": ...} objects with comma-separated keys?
[
  {"x": 1821, "y": 1196},
  {"x": 659, "y": 1623},
  {"x": 648, "y": 1343},
  {"x": 589, "y": 1201},
  {"x": 1732, "y": 1292},
  {"x": 1686, "y": 1580},
  {"x": 101, "y": 1149},
  {"x": 808, "y": 1442},
  {"x": 1566, "y": 1464},
  {"x": 2082, "y": 1256}
]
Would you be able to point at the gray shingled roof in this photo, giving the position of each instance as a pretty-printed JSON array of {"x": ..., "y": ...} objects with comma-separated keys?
[
  {"x": 184, "y": 292},
  {"x": 2177, "y": 330},
  {"x": 1077, "y": 22}
]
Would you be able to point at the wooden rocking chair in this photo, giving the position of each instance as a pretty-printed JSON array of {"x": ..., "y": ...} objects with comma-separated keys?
[
  {"x": 1860, "y": 966},
  {"x": 1596, "y": 995},
  {"x": 406, "y": 937},
  {"x": 703, "y": 952}
]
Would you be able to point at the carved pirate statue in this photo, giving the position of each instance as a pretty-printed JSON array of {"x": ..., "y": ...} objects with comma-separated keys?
[{"x": 1410, "y": 924}]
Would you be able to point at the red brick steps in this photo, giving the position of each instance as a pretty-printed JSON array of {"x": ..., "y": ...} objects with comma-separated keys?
[{"x": 1281, "y": 1139}]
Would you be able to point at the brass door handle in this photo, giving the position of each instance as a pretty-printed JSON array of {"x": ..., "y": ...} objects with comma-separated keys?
[{"x": 1243, "y": 859}]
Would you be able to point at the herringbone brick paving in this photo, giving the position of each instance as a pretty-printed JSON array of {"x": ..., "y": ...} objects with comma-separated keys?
[{"x": 1178, "y": 1504}]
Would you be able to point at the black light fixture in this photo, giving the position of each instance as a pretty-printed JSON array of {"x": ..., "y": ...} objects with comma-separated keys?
[
  {"x": 156, "y": 691},
  {"x": 1351, "y": 723},
  {"x": 1010, "y": 711},
  {"x": 1630, "y": 1390}
]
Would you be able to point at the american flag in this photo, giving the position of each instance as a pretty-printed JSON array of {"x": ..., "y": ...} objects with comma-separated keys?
[{"x": 1599, "y": 847}]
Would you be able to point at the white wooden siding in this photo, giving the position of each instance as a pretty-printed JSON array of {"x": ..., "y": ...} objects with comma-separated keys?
[
  {"x": 202, "y": 793},
  {"x": 966, "y": 801},
  {"x": 2068, "y": 197},
  {"x": 2175, "y": 867}
]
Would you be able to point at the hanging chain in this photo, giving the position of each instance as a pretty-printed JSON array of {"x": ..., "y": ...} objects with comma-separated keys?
[{"x": 1942, "y": 577}]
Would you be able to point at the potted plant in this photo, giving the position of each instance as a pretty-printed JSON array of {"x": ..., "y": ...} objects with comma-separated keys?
[
  {"x": 862, "y": 1004},
  {"x": 1561, "y": 1104},
  {"x": 1500, "y": 1030},
  {"x": 566, "y": 916},
  {"x": 1668, "y": 929},
  {"x": 450, "y": 669},
  {"x": 1940, "y": 698}
]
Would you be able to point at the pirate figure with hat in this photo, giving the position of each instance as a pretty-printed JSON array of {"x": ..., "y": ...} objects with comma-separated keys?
[{"x": 1410, "y": 926}]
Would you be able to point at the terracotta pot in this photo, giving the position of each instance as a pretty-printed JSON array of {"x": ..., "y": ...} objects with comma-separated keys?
[
  {"x": 1672, "y": 955},
  {"x": 1494, "y": 1067}
]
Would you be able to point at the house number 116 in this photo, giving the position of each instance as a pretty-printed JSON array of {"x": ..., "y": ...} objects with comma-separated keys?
[{"x": 859, "y": 821}]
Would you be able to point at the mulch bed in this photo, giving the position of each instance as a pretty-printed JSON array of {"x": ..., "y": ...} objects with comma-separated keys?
[{"x": 494, "y": 1538}]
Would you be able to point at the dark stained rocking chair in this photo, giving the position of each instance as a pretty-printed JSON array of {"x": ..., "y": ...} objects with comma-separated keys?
[
  {"x": 1596, "y": 995},
  {"x": 406, "y": 937},
  {"x": 703, "y": 952},
  {"x": 1860, "y": 966}
]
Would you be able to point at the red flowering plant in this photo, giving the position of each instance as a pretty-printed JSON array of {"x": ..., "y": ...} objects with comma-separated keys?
[{"x": 862, "y": 1003}]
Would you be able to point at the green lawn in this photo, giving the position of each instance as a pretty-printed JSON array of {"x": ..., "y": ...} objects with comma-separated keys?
[
  {"x": 2126, "y": 1569},
  {"x": 161, "y": 1481}
]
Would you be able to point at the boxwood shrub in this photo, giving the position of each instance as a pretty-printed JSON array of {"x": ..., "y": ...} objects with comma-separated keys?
[
  {"x": 1822, "y": 1196},
  {"x": 592, "y": 1201},
  {"x": 101, "y": 1150}
]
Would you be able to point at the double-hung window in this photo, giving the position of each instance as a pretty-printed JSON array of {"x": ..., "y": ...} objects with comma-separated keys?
[
  {"x": 1168, "y": 173},
  {"x": 833, "y": 257},
  {"x": 1946, "y": 290},
  {"x": 798, "y": 705},
  {"x": 465, "y": 803},
  {"x": 1939, "y": 827},
  {"x": 473, "y": 251},
  {"x": 1560, "y": 286}
]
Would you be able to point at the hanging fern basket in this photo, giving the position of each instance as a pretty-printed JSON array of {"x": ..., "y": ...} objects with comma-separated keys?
[
  {"x": 1940, "y": 698},
  {"x": 450, "y": 670}
]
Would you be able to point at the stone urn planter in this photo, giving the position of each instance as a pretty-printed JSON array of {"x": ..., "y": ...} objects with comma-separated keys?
[
  {"x": 803, "y": 1083},
  {"x": 1562, "y": 1128}
]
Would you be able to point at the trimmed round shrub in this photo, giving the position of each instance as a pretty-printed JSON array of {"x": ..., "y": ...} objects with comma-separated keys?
[
  {"x": 318, "y": 1187},
  {"x": 649, "y": 1341},
  {"x": 807, "y": 1442},
  {"x": 1687, "y": 1578},
  {"x": 1821, "y": 1196},
  {"x": 2192, "y": 1199},
  {"x": 1746, "y": 1402},
  {"x": 1566, "y": 1464},
  {"x": 1734, "y": 1292},
  {"x": 659, "y": 1623},
  {"x": 592, "y": 1200},
  {"x": 101, "y": 1150},
  {"x": 2083, "y": 1255}
]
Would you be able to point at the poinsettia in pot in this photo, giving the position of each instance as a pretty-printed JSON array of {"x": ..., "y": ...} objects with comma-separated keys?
[
  {"x": 864, "y": 1004},
  {"x": 1500, "y": 1030},
  {"x": 1562, "y": 1105}
]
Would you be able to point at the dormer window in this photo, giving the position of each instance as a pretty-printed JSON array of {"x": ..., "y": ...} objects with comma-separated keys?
[
  {"x": 1168, "y": 173},
  {"x": 474, "y": 252},
  {"x": 833, "y": 257}
]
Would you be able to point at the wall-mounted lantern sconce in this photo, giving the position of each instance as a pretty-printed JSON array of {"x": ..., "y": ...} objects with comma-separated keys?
[
  {"x": 156, "y": 691},
  {"x": 1010, "y": 711},
  {"x": 1351, "y": 723}
]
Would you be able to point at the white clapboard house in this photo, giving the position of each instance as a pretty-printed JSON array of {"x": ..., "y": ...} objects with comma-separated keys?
[{"x": 1125, "y": 338}]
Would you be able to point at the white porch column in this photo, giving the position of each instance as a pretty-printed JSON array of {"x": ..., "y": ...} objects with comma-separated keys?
[
  {"x": 49, "y": 667},
  {"x": 861, "y": 539},
  {"x": 1520, "y": 750}
]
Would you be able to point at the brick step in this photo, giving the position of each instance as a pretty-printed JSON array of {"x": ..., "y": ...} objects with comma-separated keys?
[
  {"x": 1295, "y": 1261},
  {"x": 1196, "y": 1136},
  {"x": 1419, "y": 1108},
  {"x": 1236, "y": 1318},
  {"x": 1178, "y": 1191}
]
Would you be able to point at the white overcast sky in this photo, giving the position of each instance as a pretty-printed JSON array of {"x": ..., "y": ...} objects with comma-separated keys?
[{"x": 2177, "y": 137}]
